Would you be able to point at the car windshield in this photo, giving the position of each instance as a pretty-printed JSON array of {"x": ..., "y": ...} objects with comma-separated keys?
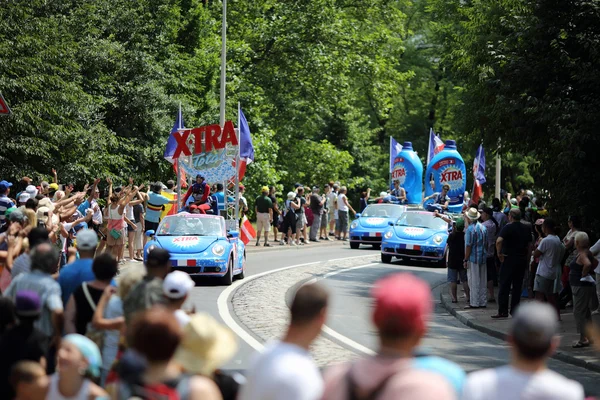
[
  {"x": 422, "y": 219},
  {"x": 383, "y": 211},
  {"x": 189, "y": 226}
]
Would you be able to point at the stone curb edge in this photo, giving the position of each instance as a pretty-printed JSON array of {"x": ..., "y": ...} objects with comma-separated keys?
[{"x": 561, "y": 356}]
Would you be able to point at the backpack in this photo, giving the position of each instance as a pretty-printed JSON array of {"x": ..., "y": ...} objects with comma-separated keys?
[{"x": 95, "y": 335}]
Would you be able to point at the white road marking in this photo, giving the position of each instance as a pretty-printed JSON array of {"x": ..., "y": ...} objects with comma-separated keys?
[{"x": 223, "y": 305}]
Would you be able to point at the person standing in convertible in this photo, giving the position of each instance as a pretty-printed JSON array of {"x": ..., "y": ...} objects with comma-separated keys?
[{"x": 199, "y": 191}]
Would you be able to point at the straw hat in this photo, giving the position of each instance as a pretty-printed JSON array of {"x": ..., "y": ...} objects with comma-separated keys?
[
  {"x": 473, "y": 214},
  {"x": 206, "y": 345}
]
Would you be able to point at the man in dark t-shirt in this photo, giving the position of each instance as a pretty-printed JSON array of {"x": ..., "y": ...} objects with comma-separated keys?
[
  {"x": 514, "y": 247},
  {"x": 316, "y": 206}
]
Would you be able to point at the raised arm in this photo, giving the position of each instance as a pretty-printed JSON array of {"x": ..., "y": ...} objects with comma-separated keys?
[{"x": 98, "y": 321}]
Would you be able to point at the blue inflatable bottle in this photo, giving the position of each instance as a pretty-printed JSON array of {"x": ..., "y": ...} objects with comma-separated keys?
[
  {"x": 408, "y": 169},
  {"x": 448, "y": 168}
]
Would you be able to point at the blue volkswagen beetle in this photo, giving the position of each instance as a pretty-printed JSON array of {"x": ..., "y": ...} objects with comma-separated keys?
[
  {"x": 368, "y": 227},
  {"x": 200, "y": 245},
  {"x": 418, "y": 235}
]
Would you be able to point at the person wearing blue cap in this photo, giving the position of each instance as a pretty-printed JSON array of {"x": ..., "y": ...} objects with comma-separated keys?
[
  {"x": 5, "y": 202},
  {"x": 79, "y": 363}
]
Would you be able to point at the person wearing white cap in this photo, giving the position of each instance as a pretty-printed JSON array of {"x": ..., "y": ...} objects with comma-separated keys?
[
  {"x": 176, "y": 287},
  {"x": 23, "y": 197},
  {"x": 31, "y": 191},
  {"x": 533, "y": 338}
]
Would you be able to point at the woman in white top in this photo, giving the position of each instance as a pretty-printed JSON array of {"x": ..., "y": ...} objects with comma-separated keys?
[
  {"x": 78, "y": 361},
  {"x": 131, "y": 225},
  {"x": 343, "y": 206}
]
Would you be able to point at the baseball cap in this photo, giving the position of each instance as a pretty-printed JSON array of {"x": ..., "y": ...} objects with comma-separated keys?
[
  {"x": 9, "y": 211},
  {"x": 265, "y": 189},
  {"x": 27, "y": 303},
  {"x": 87, "y": 239},
  {"x": 402, "y": 304},
  {"x": 315, "y": 187},
  {"x": 53, "y": 186},
  {"x": 32, "y": 190},
  {"x": 534, "y": 324},
  {"x": 23, "y": 197},
  {"x": 4, "y": 185},
  {"x": 177, "y": 284}
]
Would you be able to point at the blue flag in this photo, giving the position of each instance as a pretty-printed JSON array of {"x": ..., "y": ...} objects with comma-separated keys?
[
  {"x": 395, "y": 149},
  {"x": 172, "y": 142}
]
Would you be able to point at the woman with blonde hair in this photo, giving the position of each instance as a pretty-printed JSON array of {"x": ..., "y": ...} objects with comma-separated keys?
[{"x": 583, "y": 287}]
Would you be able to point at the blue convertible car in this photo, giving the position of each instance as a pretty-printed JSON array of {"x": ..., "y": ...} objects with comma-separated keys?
[
  {"x": 368, "y": 227},
  {"x": 417, "y": 235},
  {"x": 200, "y": 245}
]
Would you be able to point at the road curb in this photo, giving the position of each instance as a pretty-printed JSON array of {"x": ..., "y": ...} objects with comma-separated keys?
[{"x": 471, "y": 323}]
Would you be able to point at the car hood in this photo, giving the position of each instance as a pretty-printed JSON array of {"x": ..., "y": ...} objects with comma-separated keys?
[
  {"x": 415, "y": 233},
  {"x": 186, "y": 244},
  {"x": 374, "y": 222}
]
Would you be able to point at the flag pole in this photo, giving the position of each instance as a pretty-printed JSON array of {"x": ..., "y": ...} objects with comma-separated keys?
[
  {"x": 223, "y": 63},
  {"x": 498, "y": 172},
  {"x": 237, "y": 167},
  {"x": 179, "y": 197}
]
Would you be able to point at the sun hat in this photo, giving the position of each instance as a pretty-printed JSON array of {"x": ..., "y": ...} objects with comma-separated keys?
[
  {"x": 32, "y": 190},
  {"x": 23, "y": 197},
  {"x": 89, "y": 350},
  {"x": 177, "y": 285},
  {"x": 87, "y": 239},
  {"x": 291, "y": 195},
  {"x": 46, "y": 202},
  {"x": 264, "y": 189},
  {"x": 206, "y": 345},
  {"x": 473, "y": 214},
  {"x": 402, "y": 304},
  {"x": 27, "y": 303}
]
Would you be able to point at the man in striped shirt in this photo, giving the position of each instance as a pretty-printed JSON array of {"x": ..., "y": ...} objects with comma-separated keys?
[
  {"x": 475, "y": 259},
  {"x": 5, "y": 202}
]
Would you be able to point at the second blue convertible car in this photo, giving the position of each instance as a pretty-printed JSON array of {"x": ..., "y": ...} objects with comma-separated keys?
[
  {"x": 368, "y": 226},
  {"x": 417, "y": 235},
  {"x": 200, "y": 245}
]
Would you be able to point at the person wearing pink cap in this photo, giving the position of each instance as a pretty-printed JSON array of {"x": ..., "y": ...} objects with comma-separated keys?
[{"x": 402, "y": 307}]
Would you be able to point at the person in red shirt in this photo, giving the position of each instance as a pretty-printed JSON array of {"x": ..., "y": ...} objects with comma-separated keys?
[{"x": 199, "y": 191}]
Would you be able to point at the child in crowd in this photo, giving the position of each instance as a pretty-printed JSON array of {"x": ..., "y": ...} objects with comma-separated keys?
[{"x": 29, "y": 381}]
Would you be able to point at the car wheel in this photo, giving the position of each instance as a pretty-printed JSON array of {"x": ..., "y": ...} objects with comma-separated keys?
[
  {"x": 377, "y": 246},
  {"x": 354, "y": 245},
  {"x": 386, "y": 258},
  {"x": 228, "y": 278}
]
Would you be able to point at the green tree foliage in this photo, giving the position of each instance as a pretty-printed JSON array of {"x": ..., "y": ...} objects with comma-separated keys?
[
  {"x": 95, "y": 85},
  {"x": 530, "y": 77}
]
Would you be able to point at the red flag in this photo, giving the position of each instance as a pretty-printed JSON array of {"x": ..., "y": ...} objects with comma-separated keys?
[{"x": 247, "y": 232}]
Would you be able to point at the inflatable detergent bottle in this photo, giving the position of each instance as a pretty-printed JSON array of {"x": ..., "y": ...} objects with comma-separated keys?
[
  {"x": 408, "y": 169},
  {"x": 448, "y": 168}
]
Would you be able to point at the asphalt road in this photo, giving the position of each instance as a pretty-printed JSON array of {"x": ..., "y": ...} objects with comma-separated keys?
[{"x": 350, "y": 308}]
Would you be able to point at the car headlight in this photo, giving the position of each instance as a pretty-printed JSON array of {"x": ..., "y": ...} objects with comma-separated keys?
[
  {"x": 388, "y": 234},
  {"x": 218, "y": 250},
  {"x": 151, "y": 247},
  {"x": 438, "y": 239},
  {"x": 354, "y": 224}
]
